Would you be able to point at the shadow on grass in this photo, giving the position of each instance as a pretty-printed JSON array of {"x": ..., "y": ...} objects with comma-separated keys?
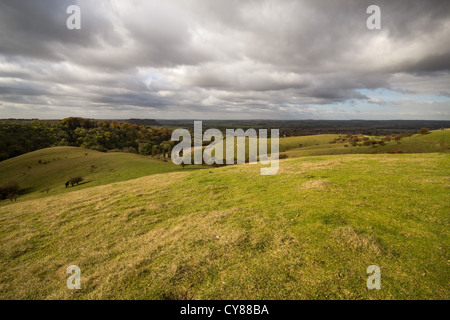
[
  {"x": 23, "y": 191},
  {"x": 81, "y": 183},
  {"x": 200, "y": 167}
]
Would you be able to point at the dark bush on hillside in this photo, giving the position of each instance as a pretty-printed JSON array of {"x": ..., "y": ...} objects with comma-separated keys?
[
  {"x": 424, "y": 131},
  {"x": 75, "y": 180},
  {"x": 129, "y": 149},
  {"x": 402, "y": 135},
  {"x": 9, "y": 190},
  {"x": 395, "y": 151}
]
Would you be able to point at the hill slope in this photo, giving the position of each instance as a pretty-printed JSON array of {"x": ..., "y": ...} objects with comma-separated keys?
[
  {"x": 208, "y": 234},
  {"x": 435, "y": 141},
  {"x": 50, "y": 168},
  {"x": 317, "y": 145}
]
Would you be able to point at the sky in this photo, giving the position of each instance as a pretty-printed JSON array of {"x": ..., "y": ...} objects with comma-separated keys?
[{"x": 214, "y": 59}]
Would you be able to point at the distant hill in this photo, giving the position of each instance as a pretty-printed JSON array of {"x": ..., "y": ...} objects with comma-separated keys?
[
  {"x": 290, "y": 128},
  {"x": 139, "y": 122},
  {"x": 143, "y": 122},
  {"x": 435, "y": 141}
]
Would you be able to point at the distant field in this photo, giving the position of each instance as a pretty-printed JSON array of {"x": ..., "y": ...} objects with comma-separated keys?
[
  {"x": 50, "y": 168},
  {"x": 316, "y": 145},
  {"x": 309, "y": 232},
  {"x": 435, "y": 141}
]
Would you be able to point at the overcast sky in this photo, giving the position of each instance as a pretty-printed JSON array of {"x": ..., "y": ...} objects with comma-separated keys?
[{"x": 211, "y": 59}]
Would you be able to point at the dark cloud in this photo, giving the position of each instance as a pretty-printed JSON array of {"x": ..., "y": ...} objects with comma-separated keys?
[
  {"x": 430, "y": 64},
  {"x": 221, "y": 58}
]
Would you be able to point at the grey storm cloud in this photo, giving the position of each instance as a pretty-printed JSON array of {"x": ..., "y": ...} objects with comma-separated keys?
[{"x": 220, "y": 59}]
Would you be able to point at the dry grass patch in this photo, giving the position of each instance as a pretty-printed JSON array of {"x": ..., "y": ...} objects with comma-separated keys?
[
  {"x": 319, "y": 184},
  {"x": 348, "y": 237},
  {"x": 290, "y": 166}
]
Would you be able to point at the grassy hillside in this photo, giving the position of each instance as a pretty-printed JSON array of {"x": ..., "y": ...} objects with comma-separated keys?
[
  {"x": 51, "y": 168},
  {"x": 290, "y": 143},
  {"x": 309, "y": 232},
  {"x": 317, "y": 145},
  {"x": 435, "y": 141}
]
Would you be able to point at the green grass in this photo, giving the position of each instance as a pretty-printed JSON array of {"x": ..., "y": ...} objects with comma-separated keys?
[
  {"x": 309, "y": 232},
  {"x": 290, "y": 143},
  {"x": 435, "y": 141},
  {"x": 50, "y": 168}
]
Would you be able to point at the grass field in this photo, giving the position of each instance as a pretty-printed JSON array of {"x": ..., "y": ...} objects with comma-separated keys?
[
  {"x": 207, "y": 234},
  {"x": 316, "y": 145},
  {"x": 145, "y": 229},
  {"x": 51, "y": 168},
  {"x": 435, "y": 141}
]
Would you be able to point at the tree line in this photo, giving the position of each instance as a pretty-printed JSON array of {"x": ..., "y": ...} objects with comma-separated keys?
[{"x": 22, "y": 137}]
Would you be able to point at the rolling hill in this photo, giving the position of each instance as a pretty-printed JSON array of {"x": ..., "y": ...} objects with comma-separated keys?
[
  {"x": 435, "y": 141},
  {"x": 50, "y": 168},
  {"x": 145, "y": 229},
  {"x": 206, "y": 234}
]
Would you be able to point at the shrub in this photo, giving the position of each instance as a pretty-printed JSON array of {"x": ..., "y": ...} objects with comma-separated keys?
[
  {"x": 75, "y": 180},
  {"x": 8, "y": 190},
  {"x": 130, "y": 150},
  {"x": 145, "y": 148},
  {"x": 424, "y": 131},
  {"x": 402, "y": 135},
  {"x": 395, "y": 151}
]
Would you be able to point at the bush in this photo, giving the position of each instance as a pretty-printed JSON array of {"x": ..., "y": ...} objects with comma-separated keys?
[
  {"x": 8, "y": 189},
  {"x": 75, "y": 180},
  {"x": 424, "y": 131},
  {"x": 395, "y": 151},
  {"x": 145, "y": 148},
  {"x": 402, "y": 135},
  {"x": 130, "y": 150}
]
